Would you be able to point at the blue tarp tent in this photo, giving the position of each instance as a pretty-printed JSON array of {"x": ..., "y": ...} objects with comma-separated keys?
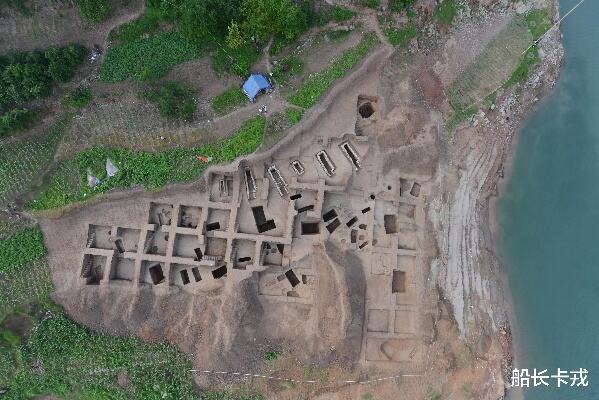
[{"x": 254, "y": 85}]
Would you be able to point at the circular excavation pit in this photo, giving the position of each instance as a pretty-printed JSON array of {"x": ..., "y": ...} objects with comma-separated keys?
[{"x": 366, "y": 110}]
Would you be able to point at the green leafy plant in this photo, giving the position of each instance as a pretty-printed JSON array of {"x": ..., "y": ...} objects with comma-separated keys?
[
  {"x": 21, "y": 248},
  {"x": 79, "y": 98},
  {"x": 401, "y": 37},
  {"x": 317, "y": 84},
  {"x": 150, "y": 58},
  {"x": 399, "y": 5},
  {"x": 334, "y": 13},
  {"x": 174, "y": 100},
  {"x": 271, "y": 355},
  {"x": 236, "y": 61},
  {"x": 15, "y": 120},
  {"x": 286, "y": 68},
  {"x": 93, "y": 10},
  {"x": 294, "y": 115},
  {"x": 228, "y": 100},
  {"x": 446, "y": 11}
]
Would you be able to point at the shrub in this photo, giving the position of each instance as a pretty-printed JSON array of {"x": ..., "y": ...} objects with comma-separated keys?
[
  {"x": 287, "y": 67},
  {"x": 399, "y": 5},
  {"x": 152, "y": 170},
  {"x": 147, "y": 58},
  {"x": 235, "y": 61},
  {"x": 371, "y": 3},
  {"x": 14, "y": 120},
  {"x": 446, "y": 11},
  {"x": 271, "y": 355},
  {"x": 334, "y": 13},
  {"x": 93, "y": 10},
  {"x": 30, "y": 74},
  {"x": 294, "y": 115},
  {"x": 22, "y": 247},
  {"x": 174, "y": 100},
  {"x": 401, "y": 37},
  {"x": 228, "y": 100},
  {"x": 146, "y": 24},
  {"x": 79, "y": 98},
  {"x": 317, "y": 84}
]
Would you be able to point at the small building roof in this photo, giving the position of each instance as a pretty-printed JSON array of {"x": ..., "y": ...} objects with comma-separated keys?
[{"x": 254, "y": 84}]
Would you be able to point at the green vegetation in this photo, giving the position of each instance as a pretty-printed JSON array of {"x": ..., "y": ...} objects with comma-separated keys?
[
  {"x": 371, "y": 3},
  {"x": 317, "y": 84},
  {"x": 228, "y": 100},
  {"x": 146, "y": 24},
  {"x": 79, "y": 98},
  {"x": 271, "y": 355},
  {"x": 294, "y": 115},
  {"x": 22, "y": 161},
  {"x": 174, "y": 100},
  {"x": 236, "y": 61},
  {"x": 286, "y": 68},
  {"x": 334, "y": 13},
  {"x": 520, "y": 74},
  {"x": 150, "y": 58},
  {"x": 399, "y": 5},
  {"x": 446, "y": 11},
  {"x": 21, "y": 248},
  {"x": 29, "y": 75},
  {"x": 26, "y": 285},
  {"x": 18, "y": 5},
  {"x": 152, "y": 170},
  {"x": 401, "y": 37},
  {"x": 15, "y": 120},
  {"x": 459, "y": 116},
  {"x": 264, "y": 19},
  {"x": 538, "y": 22},
  {"x": 434, "y": 395},
  {"x": 93, "y": 10}
]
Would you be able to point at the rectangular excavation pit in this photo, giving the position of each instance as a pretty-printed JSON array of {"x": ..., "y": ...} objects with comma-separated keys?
[
  {"x": 297, "y": 167},
  {"x": 352, "y": 221},
  {"x": 152, "y": 273},
  {"x": 326, "y": 163},
  {"x": 250, "y": 183},
  {"x": 415, "y": 191},
  {"x": 216, "y": 247},
  {"x": 329, "y": 215},
  {"x": 156, "y": 242},
  {"x": 405, "y": 322},
  {"x": 398, "y": 283},
  {"x": 310, "y": 228},
  {"x": 304, "y": 209},
  {"x": 129, "y": 238},
  {"x": 259, "y": 216},
  {"x": 220, "y": 272},
  {"x": 407, "y": 210},
  {"x": 184, "y": 276},
  {"x": 278, "y": 180},
  {"x": 391, "y": 225},
  {"x": 365, "y": 210},
  {"x": 378, "y": 321},
  {"x": 185, "y": 245},
  {"x": 333, "y": 225},
  {"x": 271, "y": 254},
  {"x": 243, "y": 253},
  {"x": 189, "y": 216},
  {"x": 295, "y": 196},
  {"x": 351, "y": 154},
  {"x": 353, "y": 236},
  {"x": 267, "y": 226},
  {"x": 99, "y": 237},
  {"x": 221, "y": 187},
  {"x": 123, "y": 270},
  {"x": 292, "y": 278},
  {"x": 160, "y": 213},
  {"x": 217, "y": 219},
  {"x": 408, "y": 240},
  {"x": 93, "y": 268},
  {"x": 195, "y": 271}
]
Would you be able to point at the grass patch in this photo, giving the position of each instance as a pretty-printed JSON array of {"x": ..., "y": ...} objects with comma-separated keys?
[
  {"x": 446, "y": 11},
  {"x": 520, "y": 74},
  {"x": 15, "y": 120},
  {"x": 174, "y": 100},
  {"x": 286, "y": 68},
  {"x": 228, "y": 101},
  {"x": 21, "y": 248},
  {"x": 460, "y": 116},
  {"x": 23, "y": 160},
  {"x": 79, "y": 98},
  {"x": 538, "y": 22},
  {"x": 401, "y": 37},
  {"x": 21, "y": 287},
  {"x": 151, "y": 170},
  {"x": 93, "y": 10},
  {"x": 399, "y": 5},
  {"x": 146, "y": 24},
  {"x": 294, "y": 115},
  {"x": 18, "y": 5},
  {"x": 374, "y": 4},
  {"x": 149, "y": 58},
  {"x": 317, "y": 84},
  {"x": 271, "y": 355},
  {"x": 334, "y": 13}
]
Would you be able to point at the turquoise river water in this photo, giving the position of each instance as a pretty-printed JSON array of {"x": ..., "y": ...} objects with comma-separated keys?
[{"x": 549, "y": 216}]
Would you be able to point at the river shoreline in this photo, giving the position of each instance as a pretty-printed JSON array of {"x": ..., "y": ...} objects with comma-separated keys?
[{"x": 503, "y": 179}]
